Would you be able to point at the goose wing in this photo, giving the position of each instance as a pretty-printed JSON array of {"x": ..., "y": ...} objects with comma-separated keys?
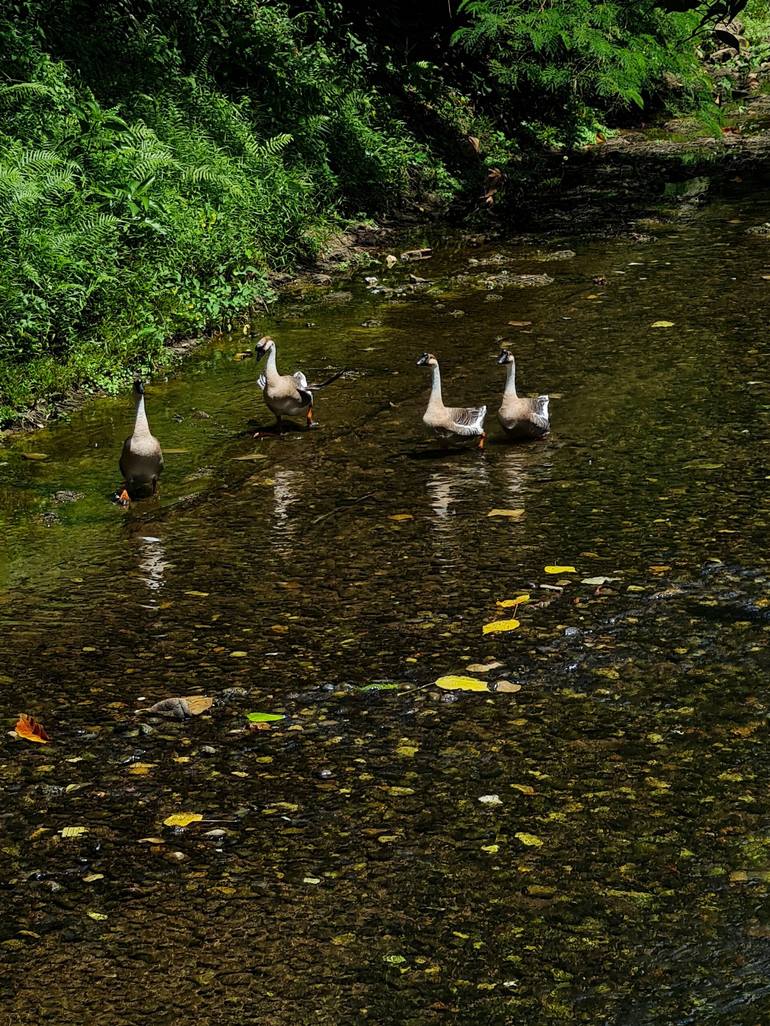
[
  {"x": 467, "y": 420},
  {"x": 300, "y": 379}
]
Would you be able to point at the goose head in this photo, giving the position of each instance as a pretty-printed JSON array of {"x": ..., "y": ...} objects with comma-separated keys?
[
  {"x": 427, "y": 360},
  {"x": 264, "y": 346},
  {"x": 138, "y": 388},
  {"x": 505, "y": 357}
]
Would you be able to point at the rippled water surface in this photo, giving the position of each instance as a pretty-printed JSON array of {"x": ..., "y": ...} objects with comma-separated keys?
[{"x": 345, "y": 870}]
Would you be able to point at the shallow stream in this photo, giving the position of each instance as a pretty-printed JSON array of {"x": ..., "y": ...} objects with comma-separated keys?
[{"x": 345, "y": 870}]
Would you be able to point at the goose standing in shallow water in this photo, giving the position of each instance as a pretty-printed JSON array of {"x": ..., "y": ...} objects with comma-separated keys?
[
  {"x": 287, "y": 395},
  {"x": 521, "y": 418},
  {"x": 141, "y": 460},
  {"x": 451, "y": 423}
]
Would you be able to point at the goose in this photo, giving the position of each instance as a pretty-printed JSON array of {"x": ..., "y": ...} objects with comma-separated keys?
[
  {"x": 141, "y": 460},
  {"x": 287, "y": 395},
  {"x": 451, "y": 423},
  {"x": 521, "y": 418}
]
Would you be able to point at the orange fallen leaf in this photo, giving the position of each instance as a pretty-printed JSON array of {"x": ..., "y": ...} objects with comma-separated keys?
[{"x": 31, "y": 730}]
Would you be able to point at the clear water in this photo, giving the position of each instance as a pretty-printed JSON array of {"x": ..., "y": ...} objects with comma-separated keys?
[{"x": 622, "y": 878}]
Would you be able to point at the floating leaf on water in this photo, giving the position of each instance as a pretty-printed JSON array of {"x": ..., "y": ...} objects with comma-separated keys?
[
  {"x": 182, "y": 819},
  {"x": 531, "y": 840},
  {"x": 490, "y": 849},
  {"x": 98, "y": 916},
  {"x": 453, "y": 682},
  {"x": 507, "y": 687},
  {"x": 490, "y": 799},
  {"x": 598, "y": 581},
  {"x": 483, "y": 667},
  {"x": 400, "y": 791},
  {"x": 73, "y": 831},
  {"x": 279, "y": 628},
  {"x": 662, "y": 324},
  {"x": 311, "y": 879},
  {"x": 524, "y": 788},
  {"x": 151, "y": 840},
  {"x": 238, "y": 654},
  {"x": 560, "y": 570},
  {"x": 519, "y": 324},
  {"x": 92, "y": 877},
  {"x": 381, "y": 686},
  {"x": 520, "y": 600},
  {"x": 30, "y": 730},
  {"x": 661, "y": 568},
  {"x": 141, "y": 769},
  {"x": 197, "y": 594},
  {"x": 36, "y": 456},
  {"x": 394, "y": 959},
  {"x": 398, "y": 517},
  {"x": 264, "y": 717},
  {"x": 500, "y": 626},
  {"x": 514, "y": 514}
]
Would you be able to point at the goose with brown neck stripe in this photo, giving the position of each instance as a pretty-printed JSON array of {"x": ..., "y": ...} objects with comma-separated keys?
[
  {"x": 451, "y": 423},
  {"x": 141, "y": 461},
  {"x": 521, "y": 419}
]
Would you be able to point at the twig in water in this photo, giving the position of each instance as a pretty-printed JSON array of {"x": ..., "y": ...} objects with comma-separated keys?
[{"x": 351, "y": 504}]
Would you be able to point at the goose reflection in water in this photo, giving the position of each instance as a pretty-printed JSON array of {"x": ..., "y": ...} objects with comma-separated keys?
[
  {"x": 449, "y": 489},
  {"x": 286, "y": 493},
  {"x": 152, "y": 561}
]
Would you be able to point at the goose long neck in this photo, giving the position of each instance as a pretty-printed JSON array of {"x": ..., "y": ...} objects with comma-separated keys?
[
  {"x": 141, "y": 426},
  {"x": 271, "y": 368},
  {"x": 510, "y": 381},
  {"x": 435, "y": 392}
]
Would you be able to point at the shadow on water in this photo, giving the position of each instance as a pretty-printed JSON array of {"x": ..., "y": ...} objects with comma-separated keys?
[{"x": 592, "y": 848}]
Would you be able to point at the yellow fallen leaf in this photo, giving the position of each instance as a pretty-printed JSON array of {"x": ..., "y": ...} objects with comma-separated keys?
[
  {"x": 141, "y": 769},
  {"x": 182, "y": 819},
  {"x": 500, "y": 626},
  {"x": 98, "y": 916},
  {"x": 490, "y": 849},
  {"x": 520, "y": 600},
  {"x": 279, "y": 628},
  {"x": 531, "y": 840},
  {"x": 560, "y": 570},
  {"x": 197, "y": 594},
  {"x": 662, "y": 324},
  {"x": 453, "y": 682},
  {"x": 74, "y": 831},
  {"x": 513, "y": 513},
  {"x": 660, "y": 569},
  {"x": 398, "y": 517}
]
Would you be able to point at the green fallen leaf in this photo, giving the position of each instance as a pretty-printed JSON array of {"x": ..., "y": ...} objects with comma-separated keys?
[
  {"x": 453, "y": 682},
  {"x": 36, "y": 456},
  {"x": 662, "y": 324},
  {"x": 384, "y": 686},
  {"x": 263, "y": 717},
  {"x": 531, "y": 840}
]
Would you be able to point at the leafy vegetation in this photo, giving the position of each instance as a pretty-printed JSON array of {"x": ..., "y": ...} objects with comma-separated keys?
[{"x": 159, "y": 157}]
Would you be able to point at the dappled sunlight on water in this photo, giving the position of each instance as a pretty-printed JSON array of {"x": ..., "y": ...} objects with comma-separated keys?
[{"x": 345, "y": 870}]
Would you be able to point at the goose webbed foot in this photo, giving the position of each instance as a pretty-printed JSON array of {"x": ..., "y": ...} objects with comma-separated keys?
[{"x": 124, "y": 499}]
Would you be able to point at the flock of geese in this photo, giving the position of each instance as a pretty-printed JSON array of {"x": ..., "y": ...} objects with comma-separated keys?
[{"x": 290, "y": 396}]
